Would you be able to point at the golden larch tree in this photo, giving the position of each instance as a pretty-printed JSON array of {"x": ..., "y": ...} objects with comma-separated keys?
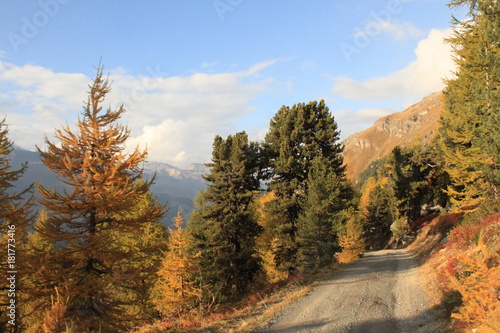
[
  {"x": 91, "y": 264},
  {"x": 15, "y": 221},
  {"x": 175, "y": 290}
]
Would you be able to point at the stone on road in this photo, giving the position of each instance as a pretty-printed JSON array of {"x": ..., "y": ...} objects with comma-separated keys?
[{"x": 381, "y": 293}]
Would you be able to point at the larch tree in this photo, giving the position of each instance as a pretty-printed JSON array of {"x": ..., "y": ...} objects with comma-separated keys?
[
  {"x": 267, "y": 241},
  {"x": 222, "y": 226},
  {"x": 15, "y": 222},
  {"x": 94, "y": 263},
  {"x": 297, "y": 136},
  {"x": 176, "y": 290},
  {"x": 471, "y": 119},
  {"x": 351, "y": 238}
]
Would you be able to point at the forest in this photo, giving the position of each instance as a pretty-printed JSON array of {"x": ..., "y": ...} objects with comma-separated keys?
[{"x": 96, "y": 257}]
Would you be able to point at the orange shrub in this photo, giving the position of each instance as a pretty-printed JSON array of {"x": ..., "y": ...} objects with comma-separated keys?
[{"x": 477, "y": 279}]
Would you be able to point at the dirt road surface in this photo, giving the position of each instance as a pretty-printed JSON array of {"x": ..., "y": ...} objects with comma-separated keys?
[{"x": 381, "y": 293}]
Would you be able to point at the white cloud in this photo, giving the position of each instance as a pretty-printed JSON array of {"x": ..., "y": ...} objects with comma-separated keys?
[
  {"x": 396, "y": 30},
  {"x": 176, "y": 117},
  {"x": 401, "y": 30},
  {"x": 422, "y": 76}
]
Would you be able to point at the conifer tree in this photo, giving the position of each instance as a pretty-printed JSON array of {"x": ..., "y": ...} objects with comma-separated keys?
[
  {"x": 366, "y": 190},
  {"x": 15, "y": 221},
  {"x": 470, "y": 122},
  {"x": 175, "y": 289},
  {"x": 418, "y": 176},
  {"x": 222, "y": 226},
  {"x": 267, "y": 240},
  {"x": 351, "y": 238},
  {"x": 93, "y": 263},
  {"x": 381, "y": 213},
  {"x": 296, "y": 136},
  {"x": 328, "y": 194}
]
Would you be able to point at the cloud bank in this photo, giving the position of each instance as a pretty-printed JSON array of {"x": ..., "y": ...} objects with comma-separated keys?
[
  {"x": 424, "y": 75},
  {"x": 175, "y": 117}
]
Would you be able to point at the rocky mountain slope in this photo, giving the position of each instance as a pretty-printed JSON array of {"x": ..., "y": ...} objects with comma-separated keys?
[{"x": 418, "y": 122}]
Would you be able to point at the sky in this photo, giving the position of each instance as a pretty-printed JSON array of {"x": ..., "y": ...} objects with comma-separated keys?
[{"x": 189, "y": 70}]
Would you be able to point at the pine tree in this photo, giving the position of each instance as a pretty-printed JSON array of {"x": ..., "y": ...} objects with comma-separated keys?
[
  {"x": 89, "y": 225},
  {"x": 15, "y": 221},
  {"x": 418, "y": 176},
  {"x": 222, "y": 226},
  {"x": 470, "y": 122},
  {"x": 175, "y": 290},
  {"x": 328, "y": 194},
  {"x": 381, "y": 213},
  {"x": 296, "y": 137}
]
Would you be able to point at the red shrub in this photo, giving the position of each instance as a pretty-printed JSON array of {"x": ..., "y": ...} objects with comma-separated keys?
[{"x": 421, "y": 222}]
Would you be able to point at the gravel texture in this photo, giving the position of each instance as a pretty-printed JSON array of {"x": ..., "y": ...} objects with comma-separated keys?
[{"x": 382, "y": 292}]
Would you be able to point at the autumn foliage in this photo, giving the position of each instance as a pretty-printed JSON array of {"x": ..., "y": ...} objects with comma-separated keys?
[
  {"x": 94, "y": 249},
  {"x": 475, "y": 273},
  {"x": 175, "y": 290},
  {"x": 352, "y": 242}
]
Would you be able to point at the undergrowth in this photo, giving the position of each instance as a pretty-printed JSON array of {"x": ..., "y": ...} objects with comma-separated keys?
[
  {"x": 247, "y": 315},
  {"x": 466, "y": 262}
]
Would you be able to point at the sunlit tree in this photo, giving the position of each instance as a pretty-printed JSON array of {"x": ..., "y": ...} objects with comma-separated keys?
[{"x": 94, "y": 264}]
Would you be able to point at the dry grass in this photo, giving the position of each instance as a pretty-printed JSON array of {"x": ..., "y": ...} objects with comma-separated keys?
[{"x": 253, "y": 312}]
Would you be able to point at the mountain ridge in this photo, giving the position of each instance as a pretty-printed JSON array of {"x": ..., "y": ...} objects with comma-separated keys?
[
  {"x": 418, "y": 122},
  {"x": 173, "y": 186}
]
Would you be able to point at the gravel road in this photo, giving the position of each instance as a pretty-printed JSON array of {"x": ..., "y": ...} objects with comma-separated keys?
[{"x": 382, "y": 292}]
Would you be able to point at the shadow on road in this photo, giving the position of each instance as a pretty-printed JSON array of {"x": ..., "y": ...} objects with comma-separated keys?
[
  {"x": 313, "y": 326},
  {"x": 409, "y": 325},
  {"x": 374, "y": 263}
]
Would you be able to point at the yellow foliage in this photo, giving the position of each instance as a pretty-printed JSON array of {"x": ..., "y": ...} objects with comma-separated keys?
[
  {"x": 352, "y": 242},
  {"x": 175, "y": 290},
  {"x": 478, "y": 281},
  {"x": 266, "y": 242},
  {"x": 364, "y": 201}
]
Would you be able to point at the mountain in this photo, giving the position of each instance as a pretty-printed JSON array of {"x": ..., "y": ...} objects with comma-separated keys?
[
  {"x": 173, "y": 186},
  {"x": 418, "y": 122}
]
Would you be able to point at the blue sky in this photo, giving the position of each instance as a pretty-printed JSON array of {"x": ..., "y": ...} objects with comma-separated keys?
[{"x": 188, "y": 70}]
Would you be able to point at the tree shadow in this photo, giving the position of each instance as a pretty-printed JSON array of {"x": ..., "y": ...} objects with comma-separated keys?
[
  {"x": 311, "y": 326},
  {"x": 429, "y": 321},
  {"x": 374, "y": 263}
]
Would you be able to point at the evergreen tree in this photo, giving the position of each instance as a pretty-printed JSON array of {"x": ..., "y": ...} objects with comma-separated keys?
[
  {"x": 175, "y": 289},
  {"x": 418, "y": 176},
  {"x": 296, "y": 136},
  {"x": 381, "y": 213},
  {"x": 15, "y": 221},
  {"x": 328, "y": 194},
  {"x": 94, "y": 261},
  {"x": 470, "y": 122},
  {"x": 223, "y": 228}
]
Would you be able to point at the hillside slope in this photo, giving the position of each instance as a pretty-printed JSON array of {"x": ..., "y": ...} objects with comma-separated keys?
[{"x": 418, "y": 122}]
